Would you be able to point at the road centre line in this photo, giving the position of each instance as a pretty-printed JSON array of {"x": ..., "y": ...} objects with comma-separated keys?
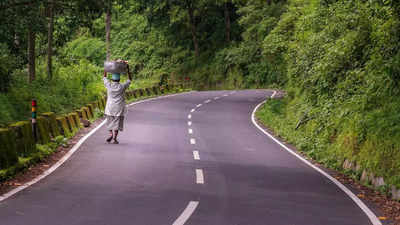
[
  {"x": 189, "y": 116},
  {"x": 199, "y": 105},
  {"x": 190, "y": 131},
  {"x": 372, "y": 217},
  {"x": 199, "y": 176},
  {"x": 190, "y": 208},
  {"x": 189, "y": 123},
  {"x": 192, "y": 141},
  {"x": 196, "y": 155}
]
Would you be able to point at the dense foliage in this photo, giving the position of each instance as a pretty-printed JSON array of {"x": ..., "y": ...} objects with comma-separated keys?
[
  {"x": 77, "y": 56},
  {"x": 341, "y": 59}
]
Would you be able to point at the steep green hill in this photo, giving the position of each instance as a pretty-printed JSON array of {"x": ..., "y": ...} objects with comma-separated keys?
[{"x": 342, "y": 63}]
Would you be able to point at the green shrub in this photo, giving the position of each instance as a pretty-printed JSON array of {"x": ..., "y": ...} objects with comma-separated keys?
[
  {"x": 85, "y": 47},
  {"x": 8, "y": 63},
  {"x": 8, "y": 151},
  {"x": 342, "y": 62}
]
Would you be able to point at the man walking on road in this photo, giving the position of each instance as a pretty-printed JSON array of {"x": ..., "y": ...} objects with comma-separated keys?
[{"x": 115, "y": 110}]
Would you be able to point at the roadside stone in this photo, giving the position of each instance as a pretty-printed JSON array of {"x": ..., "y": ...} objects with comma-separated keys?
[
  {"x": 354, "y": 167},
  {"x": 347, "y": 165},
  {"x": 365, "y": 177},
  {"x": 395, "y": 193},
  {"x": 86, "y": 123},
  {"x": 371, "y": 177},
  {"x": 378, "y": 182},
  {"x": 358, "y": 167}
]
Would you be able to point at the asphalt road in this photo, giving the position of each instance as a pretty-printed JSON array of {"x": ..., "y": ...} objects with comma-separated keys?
[{"x": 178, "y": 163}]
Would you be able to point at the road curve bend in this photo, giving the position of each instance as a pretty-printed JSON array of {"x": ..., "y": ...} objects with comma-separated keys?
[{"x": 194, "y": 159}]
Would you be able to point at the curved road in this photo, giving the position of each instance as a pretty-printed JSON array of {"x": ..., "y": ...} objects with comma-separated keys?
[{"x": 179, "y": 162}]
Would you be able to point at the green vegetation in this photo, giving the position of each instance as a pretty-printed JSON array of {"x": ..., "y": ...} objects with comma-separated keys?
[
  {"x": 342, "y": 66},
  {"x": 43, "y": 151},
  {"x": 213, "y": 44},
  {"x": 79, "y": 51}
]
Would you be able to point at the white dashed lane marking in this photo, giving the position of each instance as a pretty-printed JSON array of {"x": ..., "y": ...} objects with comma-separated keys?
[
  {"x": 190, "y": 131},
  {"x": 181, "y": 220},
  {"x": 198, "y": 105},
  {"x": 225, "y": 95},
  {"x": 196, "y": 155},
  {"x": 192, "y": 141},
  {"x": 189, "y": 116},
  {"x": 208, "y": 101},
  {"x": 199, "y": 176},
  {"x": 192, "y": 110},
  {"x": 190, "y": 123}
]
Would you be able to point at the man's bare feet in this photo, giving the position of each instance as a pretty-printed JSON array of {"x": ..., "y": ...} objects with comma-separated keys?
[{"x": 109, "y": 139}]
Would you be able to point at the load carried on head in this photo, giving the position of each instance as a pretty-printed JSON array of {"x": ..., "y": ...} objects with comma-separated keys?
[{"x": 116, "y": 67}]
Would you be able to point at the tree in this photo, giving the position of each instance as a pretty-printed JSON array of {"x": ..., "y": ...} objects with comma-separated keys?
[
  {"x": 227, "y": 4},
  {"x": 190, "y": 9},
  {"x": 227, "y": 21},
  {"x": 108, "y": 29},
  {"x": 31, "y": 54},
  {"x": 25, "y": 18},
  {"x": 179, "y": 13},
  {"x": 50, "y": 39}
]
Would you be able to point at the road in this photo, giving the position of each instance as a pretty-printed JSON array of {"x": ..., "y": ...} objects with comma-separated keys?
[{"x": 194, "y": 159}]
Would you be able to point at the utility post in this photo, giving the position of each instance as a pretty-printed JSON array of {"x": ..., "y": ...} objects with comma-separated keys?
[{"x": 34, "y": 116}]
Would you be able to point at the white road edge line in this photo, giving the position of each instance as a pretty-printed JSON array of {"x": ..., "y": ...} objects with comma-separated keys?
[
  {"x": 192, "y": 110},
  {"x": 189, "y": 116},
  {"x": 372, "y": 217},
  {"x": 198, "y": 105},
  {"x": 199, "y": 176},
  {"x": 191, "y": 207},
  {"x": 196, "y": 155},
  {"x": 72, "y": 151},
  {"x": 189, "y": 123},
  {"x": 190, "y": 131},
  {"x": 192, "y": 141}
]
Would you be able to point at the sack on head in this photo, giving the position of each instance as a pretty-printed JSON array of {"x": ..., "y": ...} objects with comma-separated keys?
[{"x": 115, "y": 67}]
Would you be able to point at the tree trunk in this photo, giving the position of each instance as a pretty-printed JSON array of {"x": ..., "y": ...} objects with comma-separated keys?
[
  {"x": 193, "y": 30},
  {"x": 17, "y": 41},
  {"x": 227, "y": 23},
  {"x": 31, "y": 54},
  {"x": 108, "y": 30},
  {"x": 50, "y": 41}
]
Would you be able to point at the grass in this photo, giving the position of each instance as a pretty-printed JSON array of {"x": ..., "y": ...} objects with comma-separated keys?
[{"x": 331, "y": 149}]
